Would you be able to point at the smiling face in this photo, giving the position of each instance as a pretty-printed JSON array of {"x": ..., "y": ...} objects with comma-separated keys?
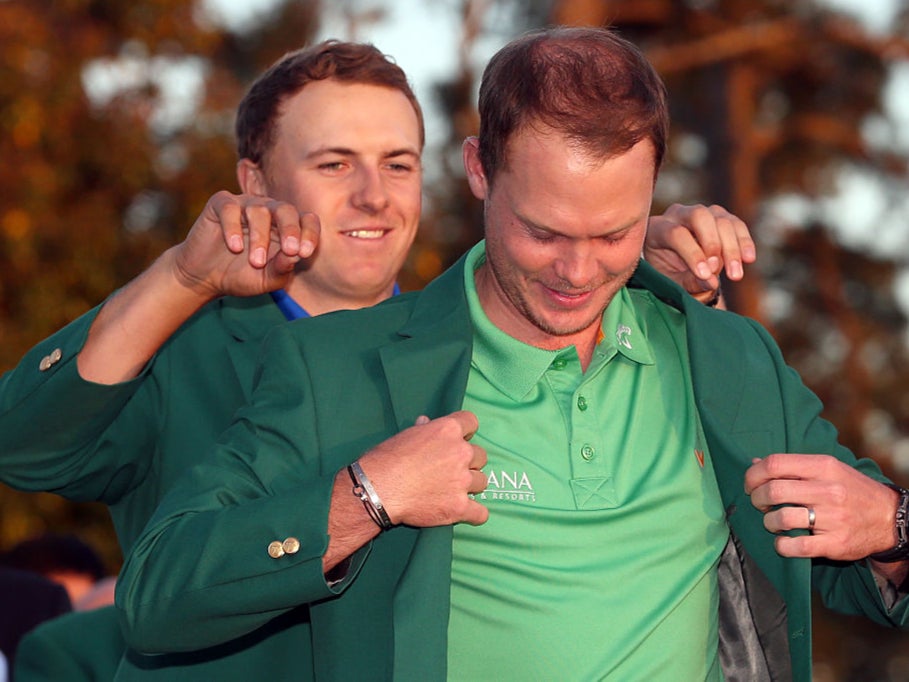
[
  {"x": 564, "y": 233},
  {"x": 350, "y": 153}
]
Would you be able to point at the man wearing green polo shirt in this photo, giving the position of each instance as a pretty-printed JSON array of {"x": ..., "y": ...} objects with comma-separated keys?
[{"x": 552, "y": 463}]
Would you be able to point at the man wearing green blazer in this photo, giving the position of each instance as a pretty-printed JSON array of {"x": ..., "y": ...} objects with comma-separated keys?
[
  {"x": 551, "y": 463},
  {"x": 334, "y": 130}
]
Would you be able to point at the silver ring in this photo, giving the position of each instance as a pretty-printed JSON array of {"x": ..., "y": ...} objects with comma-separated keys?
[{"x": 812, "y": 517}]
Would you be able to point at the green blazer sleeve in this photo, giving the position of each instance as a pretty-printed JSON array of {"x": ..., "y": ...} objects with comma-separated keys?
[
  {"x": 51, "y": 419},
  {"x": 202, "y": 573},
  {"x": 80, "y": 646}
]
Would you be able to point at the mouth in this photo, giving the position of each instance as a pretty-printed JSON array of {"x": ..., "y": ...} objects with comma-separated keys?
[
  {"x": 377, "y": 233},
  {"x": 569, "y": 299}
]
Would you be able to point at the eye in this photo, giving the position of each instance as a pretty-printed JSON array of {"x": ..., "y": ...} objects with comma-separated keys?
[
  {"x": 331, "y": 166},
  {"x": 401, "y": 167},
  {"x": 541, "y": 236},
  {"x": 615, "y": 237}
]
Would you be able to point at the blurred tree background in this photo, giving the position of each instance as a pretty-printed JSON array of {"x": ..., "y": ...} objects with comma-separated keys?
[{"x": 783, "y": 111}]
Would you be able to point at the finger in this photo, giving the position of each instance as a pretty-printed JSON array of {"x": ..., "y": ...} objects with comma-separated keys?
[
  {"x": 746, "y": 243},
  {"x": 286, "y": 220},
  {"x": 475, "y": 513},
  {"x": 228, "y": 213},
  {"x": 311, "y": 230},
  {"x": 799, "y": 545},
  {"x": 779, "y": 466},
  {"x": 787, "y": 491},
  {"x": 258, "y": 225},
  {"x": 467, "y": 421},
  {"x": 736, "y": 242},
  {"x": 692, "y": 252},
  {"x": 478, "y": 482},
  {"x": 478, "y": 458},
  {"x": 787, "y": 518},
  {"x": 702, "y": 221}
]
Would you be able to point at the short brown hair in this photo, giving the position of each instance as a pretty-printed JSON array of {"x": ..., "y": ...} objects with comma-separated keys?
[
  {"x": 593, "y": 86},
  {"x": 346, "y": 62}
]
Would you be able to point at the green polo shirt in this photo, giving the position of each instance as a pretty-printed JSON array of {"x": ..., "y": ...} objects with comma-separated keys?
[{"x": 606, "y": 525}]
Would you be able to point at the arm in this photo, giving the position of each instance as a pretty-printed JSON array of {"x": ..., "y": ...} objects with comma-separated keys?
[
  {"x": 854, "y": 510},
  {"x": 692, "y": 245},
  {"x": 276, "y": 477},
  {"x": 81, "y": 375},
  {"x": 214, "y": 260},
  {"x": 852, "y": 515}
]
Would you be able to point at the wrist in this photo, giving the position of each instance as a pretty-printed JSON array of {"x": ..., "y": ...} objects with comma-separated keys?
[
  {"x": 366, "y": 493},
  {"x": 900, "y": 551},
  {"x": 709, "y": 298},
  {"x": 192, "y": 288}
]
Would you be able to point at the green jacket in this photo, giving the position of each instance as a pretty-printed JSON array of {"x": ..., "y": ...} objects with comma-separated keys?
[
  {"x": 125, "y": 445},
  {"x": 331, "y": 387}
]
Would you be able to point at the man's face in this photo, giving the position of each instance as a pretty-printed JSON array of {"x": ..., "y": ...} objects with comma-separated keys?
[
  {"x": 349, "y": 153},
  {"x": 564, "y": 232}
]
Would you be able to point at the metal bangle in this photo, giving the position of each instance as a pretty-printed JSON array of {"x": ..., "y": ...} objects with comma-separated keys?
[{"x": 368, "y": 496}]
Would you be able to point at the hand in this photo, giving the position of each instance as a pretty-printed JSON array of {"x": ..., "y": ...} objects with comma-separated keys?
[
  {"x": 692, "y": 244},
  {"x": 424, "y": 474},
  {"x": 854, "y": 514},
  {"x": 243, "y": 245}
]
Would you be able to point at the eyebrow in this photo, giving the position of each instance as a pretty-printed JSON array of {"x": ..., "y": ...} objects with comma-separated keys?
[
  {"x": 347, "y": 151},
  {"x": 542, "y": 228}
]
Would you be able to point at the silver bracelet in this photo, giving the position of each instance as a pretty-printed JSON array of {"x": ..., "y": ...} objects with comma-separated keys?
[{"x": 362, "y": 488}]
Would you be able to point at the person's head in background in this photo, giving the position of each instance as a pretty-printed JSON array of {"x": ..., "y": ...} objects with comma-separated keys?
[
  {"x": 336, "y": 130},
  {"x": 65, "y": 559}
]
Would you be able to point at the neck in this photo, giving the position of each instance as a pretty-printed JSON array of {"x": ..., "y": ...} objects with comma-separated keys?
[{"x": 317, "y": 301}]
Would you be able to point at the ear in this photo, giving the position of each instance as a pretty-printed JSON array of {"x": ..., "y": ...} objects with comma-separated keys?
[
  {"x": 476, "y": 178},
  {"x": 251, "y": 178}
]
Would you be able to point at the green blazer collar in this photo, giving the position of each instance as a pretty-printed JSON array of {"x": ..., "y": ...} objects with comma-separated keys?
[
  {"x": 434, "y": 345},
  {"x": 247, "y": 321}
]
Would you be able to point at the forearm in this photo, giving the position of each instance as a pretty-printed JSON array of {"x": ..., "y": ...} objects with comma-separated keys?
[
  {"x": 33, "y": 456},
  {"x": 137, "y": 320},
  {"x": 205, "y": 573},
  {"x": 349, "y": 526}
]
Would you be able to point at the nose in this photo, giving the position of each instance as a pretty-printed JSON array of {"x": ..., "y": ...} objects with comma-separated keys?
[
  {"x": 369, "y": 192},
  {"x": 577, "y": 265}
]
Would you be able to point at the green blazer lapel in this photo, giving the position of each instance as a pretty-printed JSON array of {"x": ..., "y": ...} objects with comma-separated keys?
[
  {"x": 742, "y": 416},
  {"x": 427, "y": 369},
  {"x": 247, "y": 320}
]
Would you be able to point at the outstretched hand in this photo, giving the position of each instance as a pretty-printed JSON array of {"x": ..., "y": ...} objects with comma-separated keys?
[
  {"x": 692, "y": 245},
  {"x": 243, "y": 245}
]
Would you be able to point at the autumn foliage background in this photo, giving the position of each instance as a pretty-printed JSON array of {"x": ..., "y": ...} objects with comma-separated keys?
[{"x": 771, "y": 100}]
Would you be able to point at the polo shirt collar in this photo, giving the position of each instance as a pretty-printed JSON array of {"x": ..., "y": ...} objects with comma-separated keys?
[{"x": 515, "y": 367}]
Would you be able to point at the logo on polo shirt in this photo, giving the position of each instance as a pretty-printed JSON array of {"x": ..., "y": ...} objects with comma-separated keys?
[
  {"x": 509, "y": 486},
  {"x": 622, "y": 333}
]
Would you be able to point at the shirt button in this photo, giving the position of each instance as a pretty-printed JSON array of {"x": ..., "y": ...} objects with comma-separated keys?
[
  {"x": 291, "y": 545},
  {"x": 559, "y": 363},
  {"x": 587, "y": 453},
  {"x": 582, "y": 403},
  {"x": 276, "y": 549}
]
